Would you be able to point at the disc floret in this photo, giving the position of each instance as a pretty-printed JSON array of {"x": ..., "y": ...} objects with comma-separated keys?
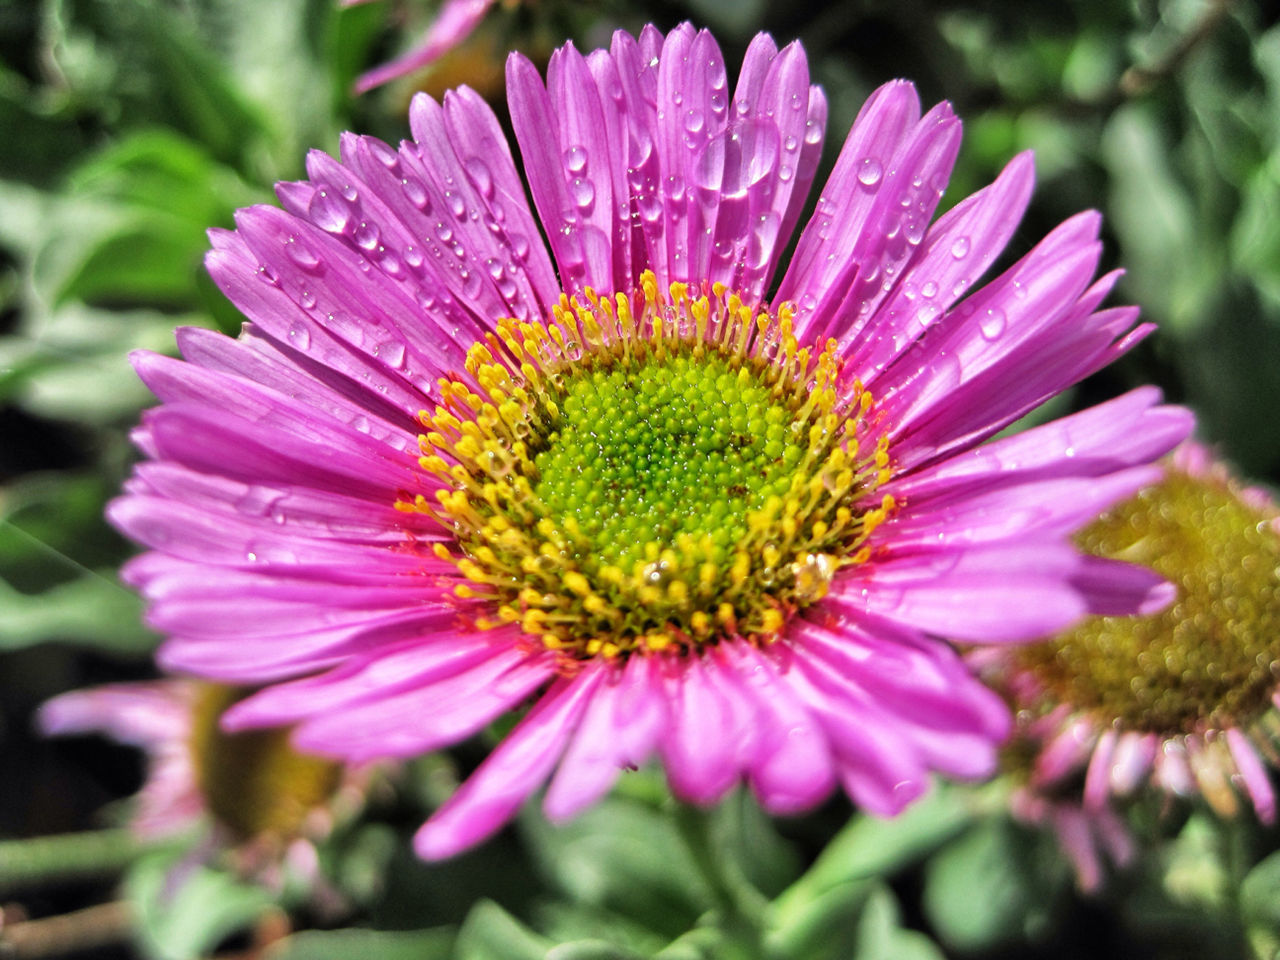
[{"x": 651, "y": 471}]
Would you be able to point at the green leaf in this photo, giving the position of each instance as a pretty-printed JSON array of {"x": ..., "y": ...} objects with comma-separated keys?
[
  {"x": 625, "y": 856},
  {"x": 882, "y": 937},
  {"x": 92, "y": 611},
  {"x": 870, "y": 847},
  {"x": 434, "y": 944},
  {"x": 745, "y": 835},
  {"x": 591, "y": 950},
  {"x": 490, "y": 933},
  {"x": 186, "y": 910},
  {"x": 1174, "y": 272},
  {"x": 1260, "y": 906},
  {"x": 986, "y": 888}
]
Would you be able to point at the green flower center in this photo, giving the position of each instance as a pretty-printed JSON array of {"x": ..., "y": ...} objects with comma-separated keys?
[
  {"x": 664, "y": 451},
  {"x": 1211, "y": 660},
  {"x": 651, "y": 472}
]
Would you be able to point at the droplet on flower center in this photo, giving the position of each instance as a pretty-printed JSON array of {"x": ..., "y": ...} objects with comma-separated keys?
[
  {"x": 1211, "y": 660},
  {"x": 651, "y": 472}
]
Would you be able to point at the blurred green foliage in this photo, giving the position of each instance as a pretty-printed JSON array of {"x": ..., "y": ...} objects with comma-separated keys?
[{"x": 133, "y": 126}]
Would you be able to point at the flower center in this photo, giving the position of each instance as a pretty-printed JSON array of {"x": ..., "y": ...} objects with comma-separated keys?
[
  {"x": 254, "y": 782},
  {"x": 651, "y": 471},
  {"x": 1207, "y": 662}
]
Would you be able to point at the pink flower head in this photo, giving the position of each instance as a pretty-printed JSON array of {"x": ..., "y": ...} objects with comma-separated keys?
[
  {"x": 251, "y": 793},
  {"x": 1182, "y": 700},
  {"x": 446, "y": 470}
]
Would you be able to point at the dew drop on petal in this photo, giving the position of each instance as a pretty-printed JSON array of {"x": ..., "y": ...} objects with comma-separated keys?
[
  {"x": 301, "y": 254},
  {"x": 299, "y": 336},
  {"x": 390, "y": 352},
  {"x": 366, "y": 235},
  {"x": 960, "y": 249},
  {"x": 416, "y": 192},
  {"x": 992, "y": 323},
  {"x": 583, "y": 192},
  {"x": 479, "y": 173},
  {"x": 328, "y": 212},
  {"x": 575, "y": 159},
  {"x": 870, "y": 172}
]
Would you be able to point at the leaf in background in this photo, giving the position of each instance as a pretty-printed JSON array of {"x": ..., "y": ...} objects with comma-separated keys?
[
  {"x": 353, "y": 944},
  {"x": 1260, "y": 906},
  {"x": 184, "y": 909},
  {"x": 746, "y": 835},
  {"x": 881, "y": 935},
  {"x": 816, "y": 917},
  {"x": 52, "y": 529},
  {"x": 1174, "y": 264},
  {"x": 624, "y": 856},
  {"x": 93, "y": 611},
  {"x": 490, "y": 933},
  {"x": 988, "y": 888}
]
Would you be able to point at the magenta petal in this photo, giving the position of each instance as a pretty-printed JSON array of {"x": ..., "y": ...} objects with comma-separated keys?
[
  {"x": 700, "y": 768},
  {"x": 990, "y": 594},
  {"x": 492, "y": 794},
  {"x": 618, "y": 730},
  {"x": 455, "y": 21},
  {"x": 792, "y": 769},
  {"x": 1257, "y": 782}
]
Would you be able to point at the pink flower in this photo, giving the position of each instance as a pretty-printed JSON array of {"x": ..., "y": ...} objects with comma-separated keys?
[
  {"x": 1182, "y": 701},
  {"x": 249, "y": 795},
  {"x": 685, "y": 521},
  {"x": 455, "y": 22}
]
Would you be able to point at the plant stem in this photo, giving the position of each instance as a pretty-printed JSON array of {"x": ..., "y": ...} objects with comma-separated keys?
[{"x": 43, "y": 860}]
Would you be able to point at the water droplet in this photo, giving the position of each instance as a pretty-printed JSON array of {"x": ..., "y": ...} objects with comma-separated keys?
[
  {"x": 694, "y": 121},
  {"x": 390, "y": 159},
  {"x": 366, "y": 235},
  {"x": 301, "y": 254},
  {"x": 790, "y": 144},
  {"x": 456, "y": 203},
  {"x": 307, "y": 299},
  {"x": 413, "y": 257},
  {"x": 328, "y": 212},
  {"x": 992, "y": 323},
  {"x": 299, "y": 336},
  {"x": 928, "y": 313},
  {"x": 349, "y": 193},
  {"x": 960, "y": 249},
  {"x": 444, "y": 231},
  {"x": 266, "y": 274},
  {"x": 930, "y": 289},
  {"x": 416, "y": 192},
  {"x": 583, "y": 192},
  {"x": 390, "y": 352},
  {"x": 784, "y": 173},
  {"x": 870, "y": 172},
  {"x": 575, "y": 159},
  {"x": 480, "y": 175},
  {"x": 914, "y": 232}
]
